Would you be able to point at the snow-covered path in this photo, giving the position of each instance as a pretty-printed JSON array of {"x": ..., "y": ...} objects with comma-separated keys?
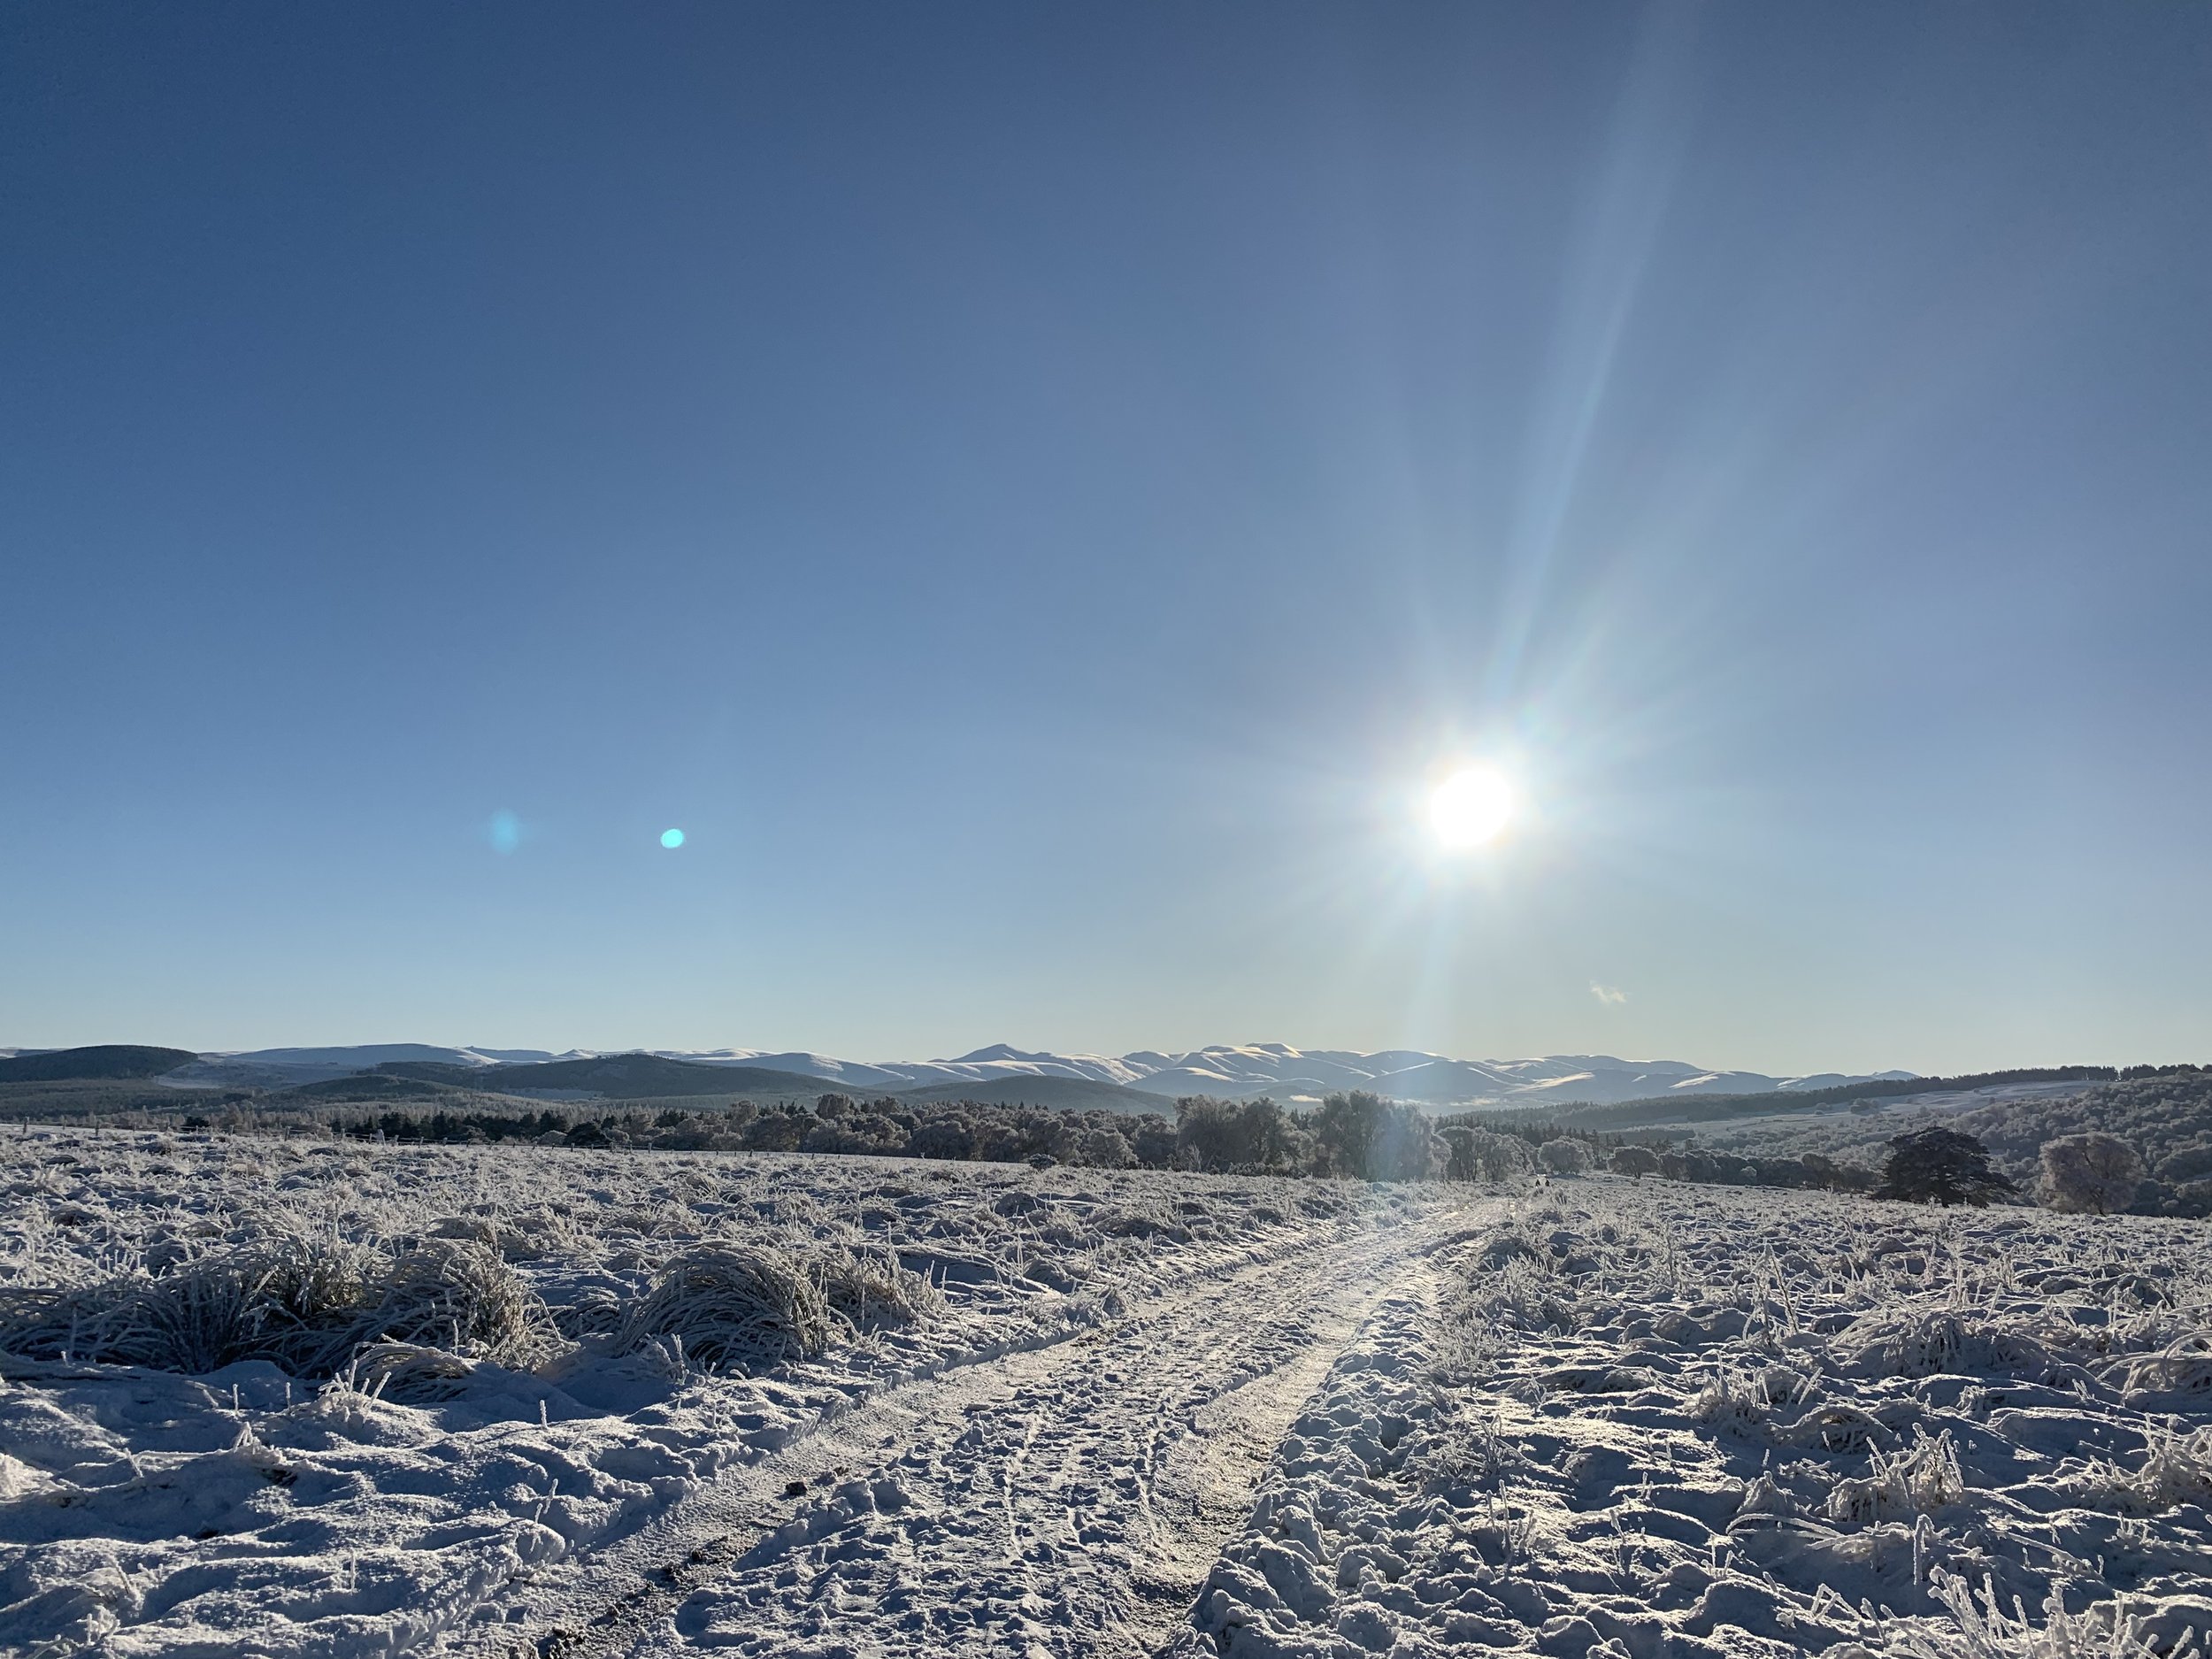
[{"x": 1068, "y": 1498}]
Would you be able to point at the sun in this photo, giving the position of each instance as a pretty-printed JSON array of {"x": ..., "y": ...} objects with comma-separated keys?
[{"x": 1471, "y": 807}]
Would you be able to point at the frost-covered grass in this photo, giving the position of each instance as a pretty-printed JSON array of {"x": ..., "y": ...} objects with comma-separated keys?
[
  {"x": 1659, "y": 1420},
  {"x": 266, "y": 1396},
  {"x": 262, "y": 1395}
]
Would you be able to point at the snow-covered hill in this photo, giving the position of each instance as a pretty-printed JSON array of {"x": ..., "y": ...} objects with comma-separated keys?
[{"x": 1235, "y": 1069}]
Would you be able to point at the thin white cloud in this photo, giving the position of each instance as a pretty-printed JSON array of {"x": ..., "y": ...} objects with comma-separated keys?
[{"x": 1611, "y": 996}]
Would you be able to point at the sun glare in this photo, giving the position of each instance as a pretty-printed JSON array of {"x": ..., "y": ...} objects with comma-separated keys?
[{"x": 1471, "y": 807}]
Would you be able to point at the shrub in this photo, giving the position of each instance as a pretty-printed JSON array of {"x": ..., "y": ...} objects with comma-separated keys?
[
  {"x": 1460, "y": 1162},
  {"x": 1152, "y": 1138},
  {"x": 1638, "y": 1160},
  {"x": 1940, "y": 1166},
  {"x": 2096, "y": 1173},
  {"x": 1822, "y": 1171},
  {"x": 776, "y": 1132},
  {"x": 1505, "y": 1157}
]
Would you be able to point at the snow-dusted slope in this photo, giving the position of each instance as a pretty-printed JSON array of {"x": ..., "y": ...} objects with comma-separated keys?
[
  {"x": 284, "y": 1068},
  {"x": 1242, "y": 1069},
  {"x": 1234, "y": 1069},
  {"x": 983, "y": 1066}
]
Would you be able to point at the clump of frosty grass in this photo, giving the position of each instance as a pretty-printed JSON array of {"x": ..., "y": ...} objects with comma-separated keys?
[
  {"x": 867, "y": 1291},
  {"x": 1986, "y": 1631},
  {"x": 305, "y": 1304},
  {"x": 736, "y": 1307},
  {"x": 422, "y": 1319},
  {"x": 468, "y": 1295},
  {"x": 408, "y": 1371}
]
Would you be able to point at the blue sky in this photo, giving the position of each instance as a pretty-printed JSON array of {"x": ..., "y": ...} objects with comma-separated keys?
[{"x": 1036, "y": 494}]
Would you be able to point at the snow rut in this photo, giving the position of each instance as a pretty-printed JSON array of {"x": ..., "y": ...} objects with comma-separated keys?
[{"x": 1065, "y": 1500}]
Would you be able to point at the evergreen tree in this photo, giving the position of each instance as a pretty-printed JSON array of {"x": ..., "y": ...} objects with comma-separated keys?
[{"x": 1940, "y": 1166}]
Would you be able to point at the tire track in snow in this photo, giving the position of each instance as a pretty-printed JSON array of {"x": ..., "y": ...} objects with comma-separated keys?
[{"x": 1067, "y": 1499}]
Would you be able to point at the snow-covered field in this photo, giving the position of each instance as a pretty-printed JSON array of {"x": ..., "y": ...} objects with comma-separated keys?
[
  {"x": 540, "y": 1452},
  {"x": 1671, "y": 1421},
  {"x": 510, "y": 1399}
]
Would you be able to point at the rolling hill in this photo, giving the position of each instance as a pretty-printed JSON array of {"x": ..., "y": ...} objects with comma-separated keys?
[
  {"x": 366, "y": 1087},
  {"x": 1234, "y": 1071},
  {"x": 639, "y": 1077},
  {"x": 103, "y": 1060},
  {"x": 1066, "y": 1093}
]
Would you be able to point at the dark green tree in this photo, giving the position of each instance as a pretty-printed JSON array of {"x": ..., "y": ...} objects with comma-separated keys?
[{"x": 1942, "y": 1166}]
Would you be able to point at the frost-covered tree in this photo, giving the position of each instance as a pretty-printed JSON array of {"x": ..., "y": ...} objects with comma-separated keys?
[
  {"x": 1480, "y": 1155},
  {"x": 2091, "y": 1172},
  {"x": 1220, "y": 1134},
  {"x": 1639, "y": 1161},
  {"x": 1940, "y": 1166},
  {"x": 946, "y": 1135},
  {"x": 1103, "y": 1149},
  {"x": 1505, "y": 1157},
  {"x": 1460, "y": 1163},
  {"x": 1361, "y": 1135},
  {"x": 1563, "y": 1156}
]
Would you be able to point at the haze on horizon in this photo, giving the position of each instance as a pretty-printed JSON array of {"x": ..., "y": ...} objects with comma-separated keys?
[{"x": 1041, "y": 499}]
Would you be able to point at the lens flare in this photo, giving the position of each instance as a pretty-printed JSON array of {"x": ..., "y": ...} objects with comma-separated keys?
[
  {"x": 671, "y": 839},
  {"x": 1471, "y": 807}
]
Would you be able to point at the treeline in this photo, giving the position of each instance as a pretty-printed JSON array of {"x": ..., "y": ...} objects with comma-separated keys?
[
  {"x": 1813, "y": 1170},
  {"x": 1708, "y": 1108},
  {"x": 1355, "y": 1134},
  {"x": 961, "y": 1131}
]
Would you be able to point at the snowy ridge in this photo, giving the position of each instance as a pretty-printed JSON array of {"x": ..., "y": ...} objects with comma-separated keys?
[{"x": 1233, "y": 1070}]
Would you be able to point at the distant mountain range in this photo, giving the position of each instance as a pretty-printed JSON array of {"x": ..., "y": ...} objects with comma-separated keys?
[{"x": 1002, "y": 1073}]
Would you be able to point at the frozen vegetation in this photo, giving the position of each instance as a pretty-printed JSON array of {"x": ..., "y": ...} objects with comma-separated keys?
[
  {"x": 2165, "y": 1121},
  {"x": 282, "y": 1397},
  {"x": 1669, "y": 1421},
  {"x": 277, "y": 1396}
]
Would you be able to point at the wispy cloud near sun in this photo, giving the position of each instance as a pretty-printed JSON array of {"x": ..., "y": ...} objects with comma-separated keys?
[{"x": 1611, "y": 996}]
